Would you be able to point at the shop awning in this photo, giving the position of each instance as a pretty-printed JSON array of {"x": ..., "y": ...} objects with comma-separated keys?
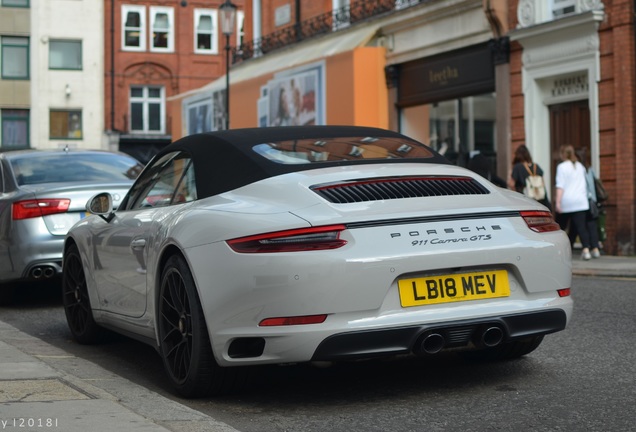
[
  {"x": 302, "y": 53},
  {"x": 296, "y": 54}
]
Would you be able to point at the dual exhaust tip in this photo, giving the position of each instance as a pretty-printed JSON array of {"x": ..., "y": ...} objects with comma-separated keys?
[
  {"x": 434, "y": 341},
  {"x": 42, "y": 272}
]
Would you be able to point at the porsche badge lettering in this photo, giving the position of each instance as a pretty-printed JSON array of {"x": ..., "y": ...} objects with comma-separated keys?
[
  {"x": 453, "y": 288},
  {"x": 435, "y": 232},
  {"x": 448, "y": 235}
]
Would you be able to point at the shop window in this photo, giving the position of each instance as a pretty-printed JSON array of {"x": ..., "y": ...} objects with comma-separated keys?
[
  {"x": 14, "y": 125},
  {"x": 65, "y": 54},
  {"x": 15, "y": 57},
  {"x": 205, "y": 35},
  {"x": 65, "y": 124},
  {"x": 456, "y": 128},
  {"x": 147, "y": 107},
  {"x": 134, "y": 28},
  {"x": 162, "y": 24}
]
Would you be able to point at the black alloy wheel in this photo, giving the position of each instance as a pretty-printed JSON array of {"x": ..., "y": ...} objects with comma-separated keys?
[
  {"x": 185, "y": 344},
  {"x": 77, "y": 305}
]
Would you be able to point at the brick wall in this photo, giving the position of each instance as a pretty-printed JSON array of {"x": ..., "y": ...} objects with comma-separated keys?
[
  {"x": 617, "y": 132},
  {"x": 177, "y": 71}
]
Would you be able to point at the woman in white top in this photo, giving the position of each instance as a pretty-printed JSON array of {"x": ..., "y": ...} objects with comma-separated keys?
[{"x": 572, "y": 199}]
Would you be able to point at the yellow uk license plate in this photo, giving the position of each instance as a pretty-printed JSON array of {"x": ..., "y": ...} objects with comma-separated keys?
[{"x": 453, "y": 288}]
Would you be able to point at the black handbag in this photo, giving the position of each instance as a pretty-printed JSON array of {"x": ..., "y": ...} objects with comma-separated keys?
[
  {"x": 601, "y": 193},
  {"x": 594, "y": 211}
]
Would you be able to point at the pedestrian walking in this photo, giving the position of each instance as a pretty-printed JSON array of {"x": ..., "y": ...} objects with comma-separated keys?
[
  {"x": 572, "y": 204},
  {"x": 594, "y": 212},
  {"x": 527, "y": 177}
]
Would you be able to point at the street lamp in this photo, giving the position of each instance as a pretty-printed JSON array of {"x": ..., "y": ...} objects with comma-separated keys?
[{"x": 228, "y": 18}]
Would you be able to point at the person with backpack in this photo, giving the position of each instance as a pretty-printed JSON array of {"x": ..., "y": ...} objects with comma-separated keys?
[
  {"x": 572, "y": 202},
  {"x": 527, "y": 177}
]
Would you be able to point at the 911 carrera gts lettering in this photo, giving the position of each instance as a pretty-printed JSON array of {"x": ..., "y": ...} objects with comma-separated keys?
[{"x": 453, "y": 240}]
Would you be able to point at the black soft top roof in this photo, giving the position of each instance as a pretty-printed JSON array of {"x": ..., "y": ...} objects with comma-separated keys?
[{"x": 225, "y": 160}]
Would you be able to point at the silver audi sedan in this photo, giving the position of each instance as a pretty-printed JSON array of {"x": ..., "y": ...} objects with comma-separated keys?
[{"x": 42, "y": 194}]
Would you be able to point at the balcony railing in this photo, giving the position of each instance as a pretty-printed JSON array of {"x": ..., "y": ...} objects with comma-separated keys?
[{"x": 335, "y": 20}]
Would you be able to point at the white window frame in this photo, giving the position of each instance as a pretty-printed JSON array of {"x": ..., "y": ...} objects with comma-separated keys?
[
  {"x": 214, "y": 41},
  {"x": 145, "y": 100},
  {"x": 141, "y": 10},
  {"x": 154, "y": 10}
]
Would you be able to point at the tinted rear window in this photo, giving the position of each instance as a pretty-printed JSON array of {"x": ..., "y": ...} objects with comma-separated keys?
[
  {"x": 305, "y": 151},
  {"x": 74, "y": 167}
]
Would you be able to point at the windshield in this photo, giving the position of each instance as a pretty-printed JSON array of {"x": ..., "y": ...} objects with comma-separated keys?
[
  {"x": 305, "y": 151},
  {"x": 74, "y": 167}
]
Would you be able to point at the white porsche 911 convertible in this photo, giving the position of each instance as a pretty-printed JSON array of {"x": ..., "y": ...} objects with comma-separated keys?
[{"x": 313, "y": 244}]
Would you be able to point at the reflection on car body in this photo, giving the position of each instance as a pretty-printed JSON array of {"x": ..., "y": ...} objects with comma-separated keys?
[{"x": 312, "y": 244}]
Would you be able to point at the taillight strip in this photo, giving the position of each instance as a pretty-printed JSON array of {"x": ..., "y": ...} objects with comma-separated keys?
[
  {"x": 540, "y": 221},
  {"x": 296, "y": 240},
  {"x": 296, "y": 320}
]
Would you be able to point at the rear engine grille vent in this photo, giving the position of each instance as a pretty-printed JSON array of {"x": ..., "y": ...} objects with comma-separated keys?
[{"x": 397, "y": 188}]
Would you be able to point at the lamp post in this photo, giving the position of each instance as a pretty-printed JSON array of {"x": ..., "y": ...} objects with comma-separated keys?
[{"x": 228, "y": 18}]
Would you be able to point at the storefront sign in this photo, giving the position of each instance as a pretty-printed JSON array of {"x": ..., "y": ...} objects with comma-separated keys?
[
  {"x": 446, "y": 76},
  {"x": 570, "y": 85}
]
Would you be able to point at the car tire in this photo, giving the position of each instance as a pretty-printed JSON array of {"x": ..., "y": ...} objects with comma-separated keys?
[
  {"x": 77, "y": 305},
  {"x": 185, "y": 345},
  {"x": 507, "y": 350}
]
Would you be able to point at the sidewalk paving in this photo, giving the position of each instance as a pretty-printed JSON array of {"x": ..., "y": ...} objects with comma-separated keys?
[
  {"x": 605, "y": 266},
  {"x": 45, "y": 388}
]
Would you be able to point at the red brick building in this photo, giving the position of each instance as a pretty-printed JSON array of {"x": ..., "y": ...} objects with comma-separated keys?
[
  {"x": 573, "y": 81},
  {"x": 154, "y": 50}
]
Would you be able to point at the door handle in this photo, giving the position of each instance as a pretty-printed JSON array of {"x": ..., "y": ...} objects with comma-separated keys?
[{"x": 138, "y": 244}]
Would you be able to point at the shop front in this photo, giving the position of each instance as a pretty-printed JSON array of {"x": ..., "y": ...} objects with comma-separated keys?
[{"x": 448, "y": 101}]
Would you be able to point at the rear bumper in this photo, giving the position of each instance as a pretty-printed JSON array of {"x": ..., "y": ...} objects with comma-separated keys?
[
  {"x": 457, "y": 334},
  {"x": 32, "y": 252}
]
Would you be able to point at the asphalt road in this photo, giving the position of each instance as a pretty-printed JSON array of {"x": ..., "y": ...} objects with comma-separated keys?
[{"x": 580, "y": 379}]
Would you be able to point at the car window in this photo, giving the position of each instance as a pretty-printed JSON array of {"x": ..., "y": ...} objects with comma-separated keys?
[
  {"x": 170, "y": 180},
  {"x": 35, "y": 168},
  {"x": 306, "y": 151}
]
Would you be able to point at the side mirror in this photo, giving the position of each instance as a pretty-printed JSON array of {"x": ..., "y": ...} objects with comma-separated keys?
[{"x": 101, "y": 205}]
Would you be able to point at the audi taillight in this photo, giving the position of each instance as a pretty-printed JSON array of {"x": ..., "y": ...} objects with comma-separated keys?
[
  {"x": 39, "y": 207},
  {"x": 540, "y": 221},
  {"x": 296, "y": 240}
]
